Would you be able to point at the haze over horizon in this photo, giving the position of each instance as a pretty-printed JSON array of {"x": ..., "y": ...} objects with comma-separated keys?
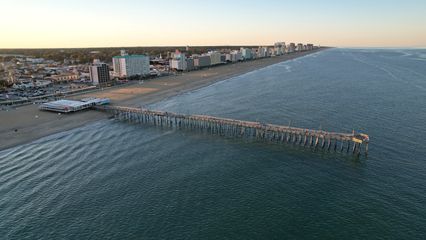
[{"x": 61, "y": 24}]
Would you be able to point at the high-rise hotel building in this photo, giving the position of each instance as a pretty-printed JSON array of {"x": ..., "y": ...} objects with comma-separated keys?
[{"x": 130, "y": 65}]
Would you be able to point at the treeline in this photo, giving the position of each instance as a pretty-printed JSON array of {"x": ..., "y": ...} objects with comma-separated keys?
[{"x": 86, "y": 55}]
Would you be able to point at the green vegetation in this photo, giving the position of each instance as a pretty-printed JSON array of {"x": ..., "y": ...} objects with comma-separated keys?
[{"x": 4, "y": 84}]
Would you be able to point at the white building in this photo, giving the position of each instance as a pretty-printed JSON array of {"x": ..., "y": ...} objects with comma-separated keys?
[
  {"x": 279, "y": 48},
  {"x": 291, "y": 48},
  {"x": 246, "y": 53},
  {"x": 178, "y": 62},
  {"x": 130, "y": 65},
  {"x": 35, "y": 60},
  {"x": 215, "y": 57},
  {"x": 11, "y": 77},
  {"x": 262, "y": 52},
  {"x": 235, "y": 56}
]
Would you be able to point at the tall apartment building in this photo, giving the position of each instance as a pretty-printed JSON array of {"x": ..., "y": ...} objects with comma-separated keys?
[
  {"x": 262, "y": 52},
  {"x": 201, "y": 61},
  {"x": 246, "y": 53},
  {"x": 279, "y": 48},
  {"x": 99, "y": 73},
  {"x": 233, "y": 56},
  {"x": 190, "y": 64},
  {"x": 130, "y": 65},
  {"x": 291, "y": 48},
  {"x": 215, "y": 57},
  {"x": 178, "y": 62}
]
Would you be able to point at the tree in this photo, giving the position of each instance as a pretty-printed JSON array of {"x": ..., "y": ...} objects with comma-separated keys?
[{"x": 4, "y": 84}]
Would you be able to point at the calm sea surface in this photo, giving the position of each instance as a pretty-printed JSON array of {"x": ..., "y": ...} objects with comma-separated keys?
[{"x": 117, "y": 180}]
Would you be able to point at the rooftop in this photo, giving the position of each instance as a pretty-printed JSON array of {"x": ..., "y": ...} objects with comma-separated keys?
[{"x": 130, "y": 56}]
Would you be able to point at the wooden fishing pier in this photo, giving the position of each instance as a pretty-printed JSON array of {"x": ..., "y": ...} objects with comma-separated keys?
[{"x": 317, "y": 139}]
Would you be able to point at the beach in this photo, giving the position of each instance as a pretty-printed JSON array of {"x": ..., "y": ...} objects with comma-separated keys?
[{"x": 25, "y": 124}]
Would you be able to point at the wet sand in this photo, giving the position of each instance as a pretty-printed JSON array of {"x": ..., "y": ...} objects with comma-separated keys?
[{"x": 26, "y": 123}]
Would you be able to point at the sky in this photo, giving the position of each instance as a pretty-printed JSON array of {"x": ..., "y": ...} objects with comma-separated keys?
[{"x": 122, "y": 23}]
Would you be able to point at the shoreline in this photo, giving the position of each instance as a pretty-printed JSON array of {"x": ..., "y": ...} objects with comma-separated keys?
[{"x": 25, "y": 124}]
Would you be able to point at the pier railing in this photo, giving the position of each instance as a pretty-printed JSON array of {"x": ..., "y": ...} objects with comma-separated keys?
[{"x": 330, "y": 141}]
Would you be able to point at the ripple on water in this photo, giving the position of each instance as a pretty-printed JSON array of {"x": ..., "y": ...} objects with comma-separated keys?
[{"x": 112, "y": 179}]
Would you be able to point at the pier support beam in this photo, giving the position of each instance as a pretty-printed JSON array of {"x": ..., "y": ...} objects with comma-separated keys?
[
  {"x": 328, "y": 144},
  {"x": 316, "y": 142},
  {"x": 354, "y": 148},
  {"x": 366, "y": 148},
  {"x": 349, "y": 146}
]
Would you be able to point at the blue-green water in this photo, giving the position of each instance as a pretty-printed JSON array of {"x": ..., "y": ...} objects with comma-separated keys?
[{"x": 117, "y": 180}]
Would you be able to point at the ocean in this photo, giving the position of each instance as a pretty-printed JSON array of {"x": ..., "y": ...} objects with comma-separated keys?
[{"x": 116, "y": 180}]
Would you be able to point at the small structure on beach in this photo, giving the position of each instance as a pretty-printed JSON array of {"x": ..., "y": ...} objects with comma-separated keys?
[{"x": 66, "y": 106}]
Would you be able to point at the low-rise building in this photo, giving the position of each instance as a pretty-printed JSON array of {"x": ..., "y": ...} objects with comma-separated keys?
[
  {"x": 35, "y": 60},
  {"x": 65, "y": 77}
]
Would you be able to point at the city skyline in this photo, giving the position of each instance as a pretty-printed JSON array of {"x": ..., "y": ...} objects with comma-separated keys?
[{"x": 61, "y": 24}]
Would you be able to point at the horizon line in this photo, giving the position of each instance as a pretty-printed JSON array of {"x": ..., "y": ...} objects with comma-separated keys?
[{"x": 242, "y": 45}]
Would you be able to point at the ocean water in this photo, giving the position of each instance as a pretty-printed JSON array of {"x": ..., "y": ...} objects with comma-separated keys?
[{"x": 115, "y": 180}]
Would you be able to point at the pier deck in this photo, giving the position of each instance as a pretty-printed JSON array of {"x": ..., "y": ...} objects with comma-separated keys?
[{"x": 318, "y": 139}]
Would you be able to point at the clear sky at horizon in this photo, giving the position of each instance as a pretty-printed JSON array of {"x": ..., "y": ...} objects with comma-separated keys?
[{"x": 97, "y": 23}]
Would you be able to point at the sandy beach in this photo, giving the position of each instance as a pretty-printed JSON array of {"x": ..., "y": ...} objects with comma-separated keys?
[{"x": 26, "y": 123}]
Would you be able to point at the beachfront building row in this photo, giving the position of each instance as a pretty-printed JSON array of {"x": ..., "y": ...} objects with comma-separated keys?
[
  {"x": 180, "y": 62},
  {"x": 308, "y": 47},
  {"x": 131, "y": 65}
]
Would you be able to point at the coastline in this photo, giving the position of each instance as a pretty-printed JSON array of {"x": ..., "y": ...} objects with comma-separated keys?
[{"x": 26, "y": 123}]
